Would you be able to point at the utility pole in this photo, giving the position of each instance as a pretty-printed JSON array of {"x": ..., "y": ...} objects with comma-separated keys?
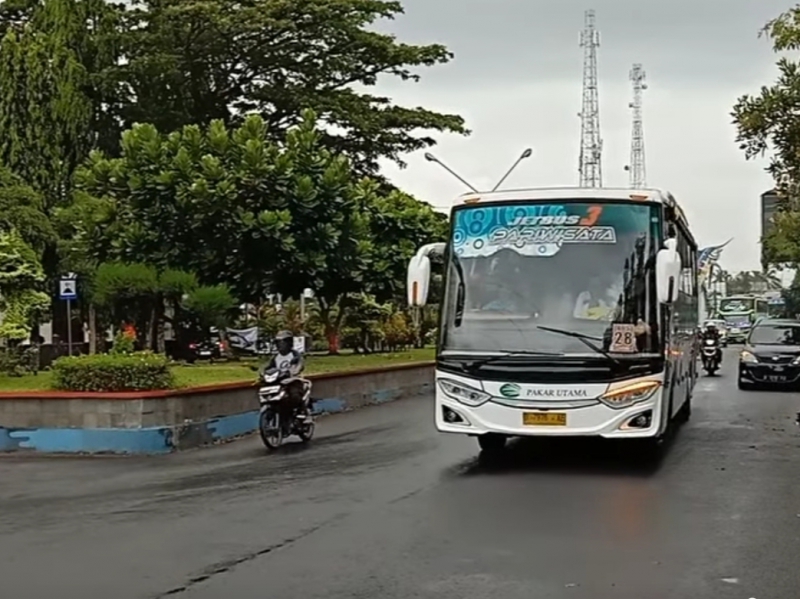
[
  {"x": 590, "y": 165},
  {"x": 636, "y": 169}
]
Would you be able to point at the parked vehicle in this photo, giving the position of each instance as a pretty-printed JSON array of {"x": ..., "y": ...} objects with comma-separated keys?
[
  {"x": 771, "y": 355},
  {"x": 285, "y": 410},
  {"x": 208, "y": 349}
]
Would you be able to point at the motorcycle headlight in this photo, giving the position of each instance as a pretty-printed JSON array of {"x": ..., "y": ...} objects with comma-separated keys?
[
  {"x": 747, "y": 357},
  {"x": 624, "y": 397},
  {"x": 469, "y": 396},
  {"x": 271, "y": 378},
  {"x": 710, "y": 342}
]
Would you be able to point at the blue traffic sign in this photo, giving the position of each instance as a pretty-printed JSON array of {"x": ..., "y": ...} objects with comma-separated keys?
[{"x": 68, "y": 289}]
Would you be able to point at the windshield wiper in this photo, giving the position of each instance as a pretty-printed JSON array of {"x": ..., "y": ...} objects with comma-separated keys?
[
  {"x": 585, "y": 339},
  {"x": 510, "y": 354}
]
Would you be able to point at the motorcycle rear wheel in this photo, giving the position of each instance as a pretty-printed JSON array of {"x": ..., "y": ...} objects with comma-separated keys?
[
  {"x": 306, "y": 430},
  {"x": 270, "y": 429}
]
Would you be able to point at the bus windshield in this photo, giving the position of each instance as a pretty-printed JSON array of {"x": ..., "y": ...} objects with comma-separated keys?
[{"x": 583, "y": 267}]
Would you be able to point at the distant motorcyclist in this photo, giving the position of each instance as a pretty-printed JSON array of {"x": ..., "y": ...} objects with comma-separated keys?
[{"x": 710, "y": 331}]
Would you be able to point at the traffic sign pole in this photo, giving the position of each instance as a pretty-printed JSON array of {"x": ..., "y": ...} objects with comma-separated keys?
[
  {"x": 68, "y": 291},
  {"x": 69, "y": 327}
]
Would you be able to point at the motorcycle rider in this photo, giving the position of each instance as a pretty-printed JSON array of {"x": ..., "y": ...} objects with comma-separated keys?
[
  {"x": 290, "y": 361},
  {"x": 287, "y": 359},
  {"x": 712, "y": 332}
]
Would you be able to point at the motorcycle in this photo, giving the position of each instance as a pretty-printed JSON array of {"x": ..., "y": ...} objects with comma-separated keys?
[
  {"x": 278, "y": 417},
  {"x": 711, "y": 357}
]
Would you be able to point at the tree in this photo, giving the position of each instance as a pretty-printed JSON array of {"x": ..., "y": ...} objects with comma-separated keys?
[
  {"x": 402, "y": 224},
  {"x": 127, "y": 293},
  {"x": 768, "y": 121},
  {"x": 232, "y": 207},
  {"x": 22, "y": 300},
  {"x": 44, "y": 115},
  {"x": 211, "y": 305},
  {"x": 22, "y": 209},
  {"x": 92, "y": 32},
  {"x": 193, "y": 62}
]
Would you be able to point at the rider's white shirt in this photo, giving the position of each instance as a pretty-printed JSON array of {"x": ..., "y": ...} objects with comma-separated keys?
[{"x": 284, "y": 362}]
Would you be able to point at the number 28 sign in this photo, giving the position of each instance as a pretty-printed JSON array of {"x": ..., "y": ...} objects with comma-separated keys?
[{"x": 623, "y": 338}]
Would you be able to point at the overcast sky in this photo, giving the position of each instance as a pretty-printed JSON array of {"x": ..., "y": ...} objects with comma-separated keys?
[{"x": 516, "y": 78}]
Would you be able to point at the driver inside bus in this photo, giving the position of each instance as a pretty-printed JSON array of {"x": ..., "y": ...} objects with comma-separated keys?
[
  {"x": 600, "y": 298},
  {"x": 604, "y": 294},
  {"x": 498, "y": 284}
]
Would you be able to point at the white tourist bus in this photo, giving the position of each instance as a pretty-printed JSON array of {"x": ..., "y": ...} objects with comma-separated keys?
[{"x": 566, "y": 311}]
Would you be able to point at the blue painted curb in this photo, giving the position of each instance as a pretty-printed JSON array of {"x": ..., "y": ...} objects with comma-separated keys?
[{"x": 155, "y": 440}]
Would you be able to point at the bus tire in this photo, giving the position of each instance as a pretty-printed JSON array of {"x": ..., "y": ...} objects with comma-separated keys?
[
  {"x": 685, "y": 413},
  {"x": 651, "y": 449},
  {"x": 492, "y": 443}
]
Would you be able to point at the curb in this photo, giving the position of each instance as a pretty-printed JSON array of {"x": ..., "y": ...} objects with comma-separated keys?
[{"x": 163, "y": 439}]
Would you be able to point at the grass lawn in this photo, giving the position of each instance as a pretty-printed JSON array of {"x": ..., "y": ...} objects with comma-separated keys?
[{"x": 198, "y": 375}]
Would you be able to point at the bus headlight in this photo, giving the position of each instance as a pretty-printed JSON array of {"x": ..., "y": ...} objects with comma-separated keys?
[
  {"x": 624, "y": 397},
  {"x": 469, "y": 396}
]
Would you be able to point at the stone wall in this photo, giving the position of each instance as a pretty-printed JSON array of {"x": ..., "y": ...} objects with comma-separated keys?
[{"x": 162, "y": 421}]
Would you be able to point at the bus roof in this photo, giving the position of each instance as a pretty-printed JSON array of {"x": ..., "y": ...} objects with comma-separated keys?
[
  {"x": 654, "y": 195},
  {"x": 572, "y": 193}
]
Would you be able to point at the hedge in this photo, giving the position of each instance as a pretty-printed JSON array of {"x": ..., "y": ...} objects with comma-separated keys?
[{"x": 142, "y": 371}]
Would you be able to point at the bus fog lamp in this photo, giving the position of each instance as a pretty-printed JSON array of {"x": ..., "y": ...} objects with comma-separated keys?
[
  {"x": 450, "y": 416},
  {"x": 469, "y": 396},
  {"x": 629, "y": 395},
  {"x": 640, "y": 421}
]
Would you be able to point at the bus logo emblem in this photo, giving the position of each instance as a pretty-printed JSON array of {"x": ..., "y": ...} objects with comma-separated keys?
[{"x": 510, "y": 390}]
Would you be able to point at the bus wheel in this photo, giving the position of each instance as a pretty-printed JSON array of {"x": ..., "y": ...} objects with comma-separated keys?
[
  {"x": 685, "y": 413},
  {"x": 652, "y": 449},
  {"x": 492, "y": 443}
]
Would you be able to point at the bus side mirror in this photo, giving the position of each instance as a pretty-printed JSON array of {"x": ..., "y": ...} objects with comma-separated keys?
[
  {"x": 419, "y": 274},
  {"x": 668, "y": 272},
  {"x": 419, "y": 277}
]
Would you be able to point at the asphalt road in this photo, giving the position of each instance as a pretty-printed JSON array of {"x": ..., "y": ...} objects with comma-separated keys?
[{"x": 380, "y": 505}]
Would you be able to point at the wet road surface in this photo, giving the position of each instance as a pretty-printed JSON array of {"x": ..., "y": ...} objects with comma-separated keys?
[{"x": 380, "y": 505}]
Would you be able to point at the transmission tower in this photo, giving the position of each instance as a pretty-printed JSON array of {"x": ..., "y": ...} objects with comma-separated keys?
[
  {"x": 636, "y": 169},
  {"x": 590, "y": 170}
]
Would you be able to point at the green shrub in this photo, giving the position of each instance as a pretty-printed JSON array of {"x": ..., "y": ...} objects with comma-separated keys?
[
  {"x": 142, "y": 371},
  {"x": 123, "y": 344}
]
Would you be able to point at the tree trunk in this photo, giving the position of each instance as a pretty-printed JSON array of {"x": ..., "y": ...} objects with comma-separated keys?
[
  {"x": 160, "y": 310},
  {"x": 331, "y": 324},
  {"x": 150, "y": 334},
  {"x": 92, "y": 329}
]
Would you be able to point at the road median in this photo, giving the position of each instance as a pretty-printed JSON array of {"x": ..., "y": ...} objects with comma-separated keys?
[{"x": 159, "y": 422}]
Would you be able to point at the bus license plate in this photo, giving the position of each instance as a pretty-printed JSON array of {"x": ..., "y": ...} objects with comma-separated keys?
[{"x": 544, "y": 419}]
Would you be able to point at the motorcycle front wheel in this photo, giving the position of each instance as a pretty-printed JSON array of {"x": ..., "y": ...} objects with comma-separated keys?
[{"x": 270, "y": 428}]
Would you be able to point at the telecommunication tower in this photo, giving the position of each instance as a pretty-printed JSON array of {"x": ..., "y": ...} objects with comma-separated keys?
[
  {"x": 636, "y": 169},
  {"x": 590, "y": 170}
]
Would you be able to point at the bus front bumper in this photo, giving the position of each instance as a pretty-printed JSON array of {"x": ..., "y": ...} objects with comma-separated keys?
[{"x": 640, "y": 420}]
